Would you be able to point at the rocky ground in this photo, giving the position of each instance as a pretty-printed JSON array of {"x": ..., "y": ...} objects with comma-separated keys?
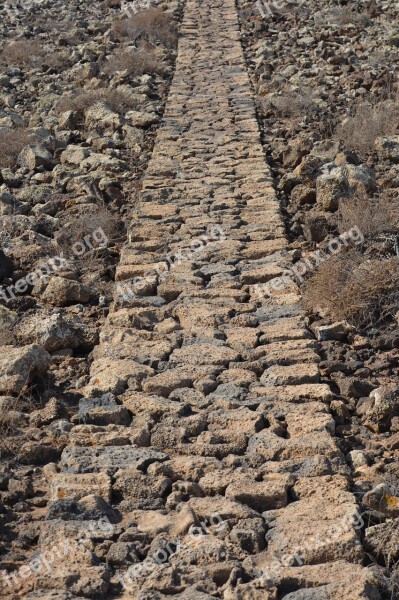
[
  {"x": 82, "y": 91},
  {"x": 173, "y": 421},
  {"x": 325, "y": 76}
]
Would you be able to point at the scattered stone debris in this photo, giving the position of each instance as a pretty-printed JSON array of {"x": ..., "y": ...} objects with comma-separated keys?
[{"x": 173, "y": 421}]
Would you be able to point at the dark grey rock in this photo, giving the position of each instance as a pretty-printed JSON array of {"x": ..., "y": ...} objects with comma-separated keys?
[
  {"x": 6, "y": 265},
  {"x": 229, "y": 391},
  {"x": 77, "y": 459},
  {"x": 272, "y": 313}
]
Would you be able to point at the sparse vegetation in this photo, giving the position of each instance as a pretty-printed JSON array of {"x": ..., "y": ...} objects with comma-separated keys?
[
  {"x": 31, "y": 54},
  {"x": 97, "y": 218},
  {"x": 100, "y": 217},
  {"x": 7, "y": 337},
  {"x": 11, "y": 143},
  {"x": 14, "y": 411},
  {"x": 23, "y": 53},
  {"x": 290, "y": 103},
  {"x": 153, "y": 26},
  {"x": 369, "y": 120},
  {"x": 82, "y": 100},
  {"x": 293, "y": 106},
  {"x": 350, "y": 287},
  {"x": 342, "y": 16},
  {"x": 373, "y": 216},
  {"x": 135, "y": 62}
]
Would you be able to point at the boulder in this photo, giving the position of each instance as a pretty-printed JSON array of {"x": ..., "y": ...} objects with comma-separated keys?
[
  {"x": 7, "y": 203},
  {"x": 116, "y": 375},
  {"x": 76, "y": 459},
  {"x": 74, "y": 155},
  {"x": 382, "y": 500},
  {"x": 56, "y": 331},
  {"x": 384, "y": 406},
  {"x": 100, "y": 115},
  {"x": 6, "y": 265},
  {"x": 388, "y": 148},
  {"x": 122, "y": 553},
  {"x": 54, "y": 409},
  {"x": 331, "y": 186},
  {"x": 360, "y": 177},
  {"x": 34, "y": 156},
  {"x": 336, "y": 331},
  {"x": 102, "y": 411},
  {"x": 69, "y": 119},
  {"x": 76, "y": 487},
  {"x": 353, "y": 387},
  {"x": 316, "y": 227},
  {"x": 19, "y": 366},
  {"x": 141, "y": 119},
  {"x": 62, "y": 292},
  {"x": 303, "y": 194}
]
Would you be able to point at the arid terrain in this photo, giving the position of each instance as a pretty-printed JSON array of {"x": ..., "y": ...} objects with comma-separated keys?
[{"x": 199, "y": 300}]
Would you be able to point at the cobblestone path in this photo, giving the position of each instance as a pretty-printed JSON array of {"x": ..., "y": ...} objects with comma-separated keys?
[{"x": 209, "y": 433}]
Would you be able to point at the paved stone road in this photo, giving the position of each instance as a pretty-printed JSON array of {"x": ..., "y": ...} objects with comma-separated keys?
[{"x": 228, "y": 480}]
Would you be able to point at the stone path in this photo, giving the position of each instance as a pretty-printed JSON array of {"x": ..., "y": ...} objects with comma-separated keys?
[{"x": 229, "y": 481}]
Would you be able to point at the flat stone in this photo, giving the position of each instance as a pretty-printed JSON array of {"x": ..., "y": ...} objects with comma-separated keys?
[
  {"x": 115, "y": 376},
  {"x": 19, "y": 366},
  {"x": 290, "y": 375},
  {"x": 102, "y": 411},
  {"x": 259, "y": 495},
  {"x": 283, "y": 329},
  {"x": 75, "y": 487},
  {"x": 75, "y": 459},
  {"x": 259, "y": 249},
  {"x": 273, "y": 447},
  {"x": 204, "y": 354},
  {"x": 261, "y": 274},
  {"x": 295, "y": 393}
]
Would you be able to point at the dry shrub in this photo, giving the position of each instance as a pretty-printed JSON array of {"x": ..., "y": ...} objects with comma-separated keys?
[
  {"x": 296, "y": 105},
  {"x": 343, "y": 16},
  {"x": 13, "y": 416},
  {"x": 7, "y": 337},
  {"x": 349, "y": 287},
  {"x": 30, "y": 54},
  {"x": 8, "y": 416},
  {"x": 11, "y": 143},
  {"x": 290, "y": 103},
  {"x": 372, "y": 216},
  {"x": 154, "y": 26},
  {"x": 117, "y": 101},
  {"x": 391, "y": 581},
  {"x": 58, "y": 61},
  {"x": 23, "y": 53},
  {"x": 98, "y": 218},
  {"x": 368, "y": 122},
  {"x": 135, "y": 62}
]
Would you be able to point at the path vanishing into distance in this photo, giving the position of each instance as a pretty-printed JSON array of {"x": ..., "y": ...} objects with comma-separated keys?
[{"x": 229, "y": 482}]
